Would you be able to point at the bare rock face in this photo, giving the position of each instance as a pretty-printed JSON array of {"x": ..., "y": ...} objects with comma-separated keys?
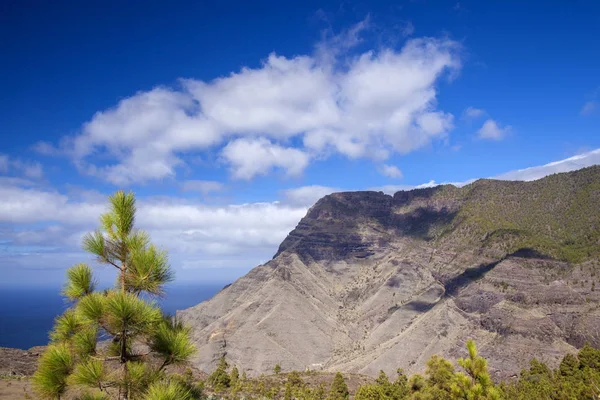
[
  {"x": 18, "y": 363},
  {"x": 369, "y": 282}
]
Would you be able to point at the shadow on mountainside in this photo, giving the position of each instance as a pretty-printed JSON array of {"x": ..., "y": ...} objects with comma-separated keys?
[
  {"x": 454, "y": 285},
  {"x": 469, "y": 275},
  {"x": 422, "y": 221},
  {"x": 419, "y": 306},
  {"x": 334, "y": 227}
]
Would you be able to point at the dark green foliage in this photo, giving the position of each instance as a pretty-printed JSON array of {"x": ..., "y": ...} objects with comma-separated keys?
[
  {"x": 577, "y": 377},
  {"x": 568, "y": 366},
  {"x": 339, "y": 389},
  {"x": 589, "y": 357},
  {"x": 441, "y": 382},
  {"x": 319, "y": 393},
  {"x": 277, "y": 369},
  {"x": 468, "y": 379},
  {"x": 234, "y": 376},
  {"x": 220, "y": 379},
  {"x": 557, "y": 216},
  {"x": 294, "y": 379},
  {"x": 440, "y": 378},
  {"x": 369, "y": 392}
]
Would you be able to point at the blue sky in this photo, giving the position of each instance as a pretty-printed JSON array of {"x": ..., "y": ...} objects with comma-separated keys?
[{"x": 229, "y": 120}]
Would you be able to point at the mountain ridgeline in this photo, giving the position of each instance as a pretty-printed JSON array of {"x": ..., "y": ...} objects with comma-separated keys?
[{"x": 369, "y": 282}]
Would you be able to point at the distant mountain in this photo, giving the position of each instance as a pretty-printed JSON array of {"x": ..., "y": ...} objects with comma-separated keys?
[{"x": 368, "y": 281}]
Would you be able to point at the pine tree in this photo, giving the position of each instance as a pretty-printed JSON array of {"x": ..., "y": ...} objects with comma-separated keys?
[
  {"x": 288, "y": 393},
  {"x": 400, "y": 385},
  {"x": 339, "y": 389},
  {"x": 295, "y": 379},
  {"x": 320, "y": 392},
  {"x": 220, "y": 379},
  {"x": 476, "y": 384},
  {"x": 589, "y": 357},
  {"x": 440, "y": 377},
  {"x": 277, "y": 369},
  {"x": 121, "y": 370},
  {"x": 234, "y": 376},
  {"x": 369, "y": 392}
]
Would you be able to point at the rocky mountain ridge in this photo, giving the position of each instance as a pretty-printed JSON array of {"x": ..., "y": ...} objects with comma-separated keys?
[{"x": 368, "y": 281}]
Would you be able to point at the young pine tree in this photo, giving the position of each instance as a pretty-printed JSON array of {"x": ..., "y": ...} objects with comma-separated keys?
[
  {"x": 142, "y": 342},
  {"x": 220, "y": 379},
  {"x": 339, "y": 389},
  {"x": 476, "y": 384},
  {"x": 234, "y": 376}
]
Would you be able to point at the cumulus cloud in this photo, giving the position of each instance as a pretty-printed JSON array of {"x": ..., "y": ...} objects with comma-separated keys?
[
  {"x": 251, "y": 157},
  {"x": 204, "y": 187},
  {"x": 492, "y": 131},
  {"x": 391, "y": 171},
  {"x": 290, "y": 110}
]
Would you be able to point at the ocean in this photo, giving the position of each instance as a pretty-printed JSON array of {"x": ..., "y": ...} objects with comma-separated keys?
[{"x": 27, "y": 314}]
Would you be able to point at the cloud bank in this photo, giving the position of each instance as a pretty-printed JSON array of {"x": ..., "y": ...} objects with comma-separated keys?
[{"x": 42, "y": 228}]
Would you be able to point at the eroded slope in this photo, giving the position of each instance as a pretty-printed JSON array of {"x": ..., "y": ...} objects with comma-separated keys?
[{"x": 368, "y": 281}]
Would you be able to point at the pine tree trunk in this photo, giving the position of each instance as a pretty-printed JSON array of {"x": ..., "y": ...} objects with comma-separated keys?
[{"x": 125, "y": 393}]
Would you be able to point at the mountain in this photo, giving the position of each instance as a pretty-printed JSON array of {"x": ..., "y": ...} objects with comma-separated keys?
[{"x": 369, "y": 281}]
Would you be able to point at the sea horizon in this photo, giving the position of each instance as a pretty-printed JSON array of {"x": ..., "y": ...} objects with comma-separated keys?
[{"x": 27, "y": 313}]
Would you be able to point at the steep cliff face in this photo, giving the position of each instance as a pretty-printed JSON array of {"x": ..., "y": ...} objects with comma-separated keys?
[{"x": 368, "y": 281}]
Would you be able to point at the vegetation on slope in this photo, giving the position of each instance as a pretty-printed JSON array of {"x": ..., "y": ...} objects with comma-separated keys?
[
  {"x": 577, "y": 377},
  {"x": 558, "y": 216}
]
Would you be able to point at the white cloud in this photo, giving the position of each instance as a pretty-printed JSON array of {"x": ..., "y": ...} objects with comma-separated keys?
[
  {"x": 472, "y": 113},
  {"x": 204, "y": 187},
  {"x": 391, "y": 171},
  {"x": 304, "y": 107},
  {"x": 391, "y": 189},
  {"x": 589, "y": 108},
  {"x": 491, "y": 130},
  {"x": 45, "y": 222},
  {"x": 28, "y": 205},
  {"x": 579, "y": 161},
  {"x": 29, "y": 169},
  {"x": 307, "y": 195},
  {"x": 251, "y": 157},
  {"x": 569, "y": 164},
  {"x": 42, "y": 228}
]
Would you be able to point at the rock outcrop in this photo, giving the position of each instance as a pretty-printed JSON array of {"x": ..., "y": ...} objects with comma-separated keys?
[{"x": 370, "y": 282}]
